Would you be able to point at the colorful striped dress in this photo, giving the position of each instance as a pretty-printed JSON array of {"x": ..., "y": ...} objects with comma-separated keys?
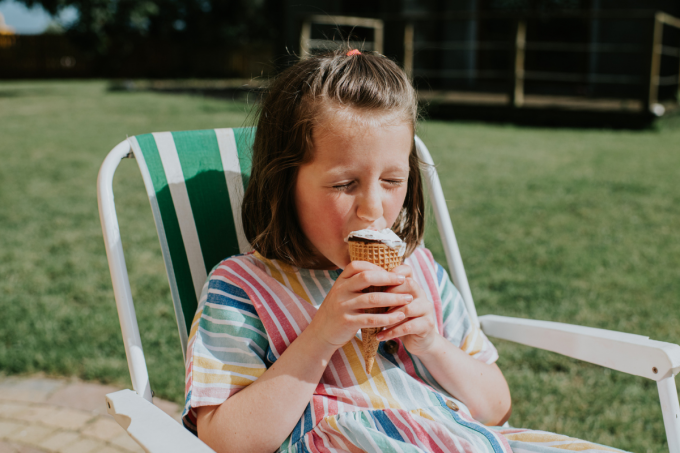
[{"x": 252, "y": 308}]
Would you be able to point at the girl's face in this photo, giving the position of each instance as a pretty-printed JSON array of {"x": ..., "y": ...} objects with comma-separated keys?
[{"x": 356, "y": 179}]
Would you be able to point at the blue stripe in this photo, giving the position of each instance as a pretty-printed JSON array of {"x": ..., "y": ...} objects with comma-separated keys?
[
  {"x": 270, "y": 357},
  {"x": 308, "y": 418},
  {"x": 219, "y": 299},
  {"x": 296, "y": 434},
  {"x": 387, "y": 426},
  {"x": 480, "y": 429},
  {"x": 440, "y": 272},
  {"x": 390, "y": 357},
  {"x": 306, "y": 421},
  {"x": 228, "y": 288}
]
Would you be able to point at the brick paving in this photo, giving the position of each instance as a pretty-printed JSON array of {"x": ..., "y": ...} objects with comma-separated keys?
[{"x": 43, "y": 415}]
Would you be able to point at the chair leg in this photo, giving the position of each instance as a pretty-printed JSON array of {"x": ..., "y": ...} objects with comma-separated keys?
[{"x": 668, "y": 395}]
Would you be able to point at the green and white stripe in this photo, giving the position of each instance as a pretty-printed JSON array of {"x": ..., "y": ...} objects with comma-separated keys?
[{"x": 195, "y": 181}]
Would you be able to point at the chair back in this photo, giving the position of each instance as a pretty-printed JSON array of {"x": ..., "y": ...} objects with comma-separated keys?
[{"x": 195, "y": 181}]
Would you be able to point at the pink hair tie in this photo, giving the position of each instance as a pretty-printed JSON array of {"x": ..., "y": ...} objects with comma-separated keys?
[{"x": 353, "y": 52}]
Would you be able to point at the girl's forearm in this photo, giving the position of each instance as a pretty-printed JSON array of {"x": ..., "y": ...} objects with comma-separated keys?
[
  {"x": 261, "y": 416},
  {"x": 480, "y": 386}
]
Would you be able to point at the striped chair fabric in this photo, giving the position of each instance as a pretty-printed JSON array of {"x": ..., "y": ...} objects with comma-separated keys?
[{"x": 195, "y": 181}]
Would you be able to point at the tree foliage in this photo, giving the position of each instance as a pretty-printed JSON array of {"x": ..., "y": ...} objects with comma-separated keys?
[{"x": 104, "y": 24}]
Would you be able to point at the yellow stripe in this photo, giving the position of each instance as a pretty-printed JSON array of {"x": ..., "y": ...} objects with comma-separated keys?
[
  {"x": 383, "y": 388},
  {"x": 208, "y": 378},
  {"x": 580, "y": 446},
  {"x": 422, "y": 413},
  {"x": 473, "y": 349},
  {"x": 194, "y": 324},
  {"x": 536, "y": 437},
  {"x": 294, "y": 282},
  {"x": 272, "y": 269},
  {"x": 332, "y": 422},
  {"x": 542, "y": 438},
  {"x": 211, "y": 364},
  {"x": 360, "y": 374}
]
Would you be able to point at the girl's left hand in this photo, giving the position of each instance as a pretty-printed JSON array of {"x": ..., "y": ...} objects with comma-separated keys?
[{"x": 418, "y": 331}]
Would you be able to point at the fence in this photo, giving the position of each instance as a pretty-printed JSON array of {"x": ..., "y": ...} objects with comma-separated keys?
[{"x": 620, "y": 61}]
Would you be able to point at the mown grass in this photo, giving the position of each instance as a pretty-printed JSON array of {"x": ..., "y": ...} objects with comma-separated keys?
[{"x": 576, "y": 226}]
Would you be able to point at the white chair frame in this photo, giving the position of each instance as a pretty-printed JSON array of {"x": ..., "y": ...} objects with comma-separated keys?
[{"x": 155, "y": 431}]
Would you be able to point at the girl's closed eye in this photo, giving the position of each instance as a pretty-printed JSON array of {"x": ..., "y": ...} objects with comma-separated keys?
[
  {"x": 343, "y": 186},
  {"x": 392, "y": 182},
  {"x": 395, "y": 182}
]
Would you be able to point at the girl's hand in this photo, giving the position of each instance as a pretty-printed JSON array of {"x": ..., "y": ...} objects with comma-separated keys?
[
  {"x": 418, "y": 330},
  {"x": 341, "y": 314}
]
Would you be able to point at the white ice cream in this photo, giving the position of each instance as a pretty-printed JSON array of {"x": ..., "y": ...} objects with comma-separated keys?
[{"x": 386, "y": 236}]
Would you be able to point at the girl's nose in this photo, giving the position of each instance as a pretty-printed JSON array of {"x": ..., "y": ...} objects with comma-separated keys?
[{"x": 369, "y": 206}]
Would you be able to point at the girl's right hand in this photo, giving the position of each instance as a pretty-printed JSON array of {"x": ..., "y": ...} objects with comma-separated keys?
[{"x": 341, "y": 314}]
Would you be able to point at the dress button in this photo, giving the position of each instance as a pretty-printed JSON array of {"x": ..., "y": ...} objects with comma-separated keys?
[
  {"x": 391, "y": 347},
  {"x": 453, "y": 406}
]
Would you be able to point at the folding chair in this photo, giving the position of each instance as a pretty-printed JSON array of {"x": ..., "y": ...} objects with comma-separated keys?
[{"x": 195, "y": 182}]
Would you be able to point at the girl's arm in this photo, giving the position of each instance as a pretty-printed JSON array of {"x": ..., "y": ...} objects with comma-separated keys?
[
  {"x": 262, "y": 415},
  {"x": 480, "y": 386}
]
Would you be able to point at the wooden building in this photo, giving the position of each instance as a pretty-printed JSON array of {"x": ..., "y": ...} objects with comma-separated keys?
[{"x": 480, "y": 58}]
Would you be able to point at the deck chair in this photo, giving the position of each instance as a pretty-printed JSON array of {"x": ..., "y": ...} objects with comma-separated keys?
[{"x": 195, "y": 182}]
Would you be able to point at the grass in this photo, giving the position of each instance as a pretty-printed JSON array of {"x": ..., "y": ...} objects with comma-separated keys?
[{"x": 576, "y": 226}]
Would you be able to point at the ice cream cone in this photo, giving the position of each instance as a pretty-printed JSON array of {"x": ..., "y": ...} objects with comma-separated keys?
[{"x": 388, "y": 258}]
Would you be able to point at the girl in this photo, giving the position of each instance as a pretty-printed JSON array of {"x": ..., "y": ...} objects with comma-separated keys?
[{"x": 274, "y": 359}]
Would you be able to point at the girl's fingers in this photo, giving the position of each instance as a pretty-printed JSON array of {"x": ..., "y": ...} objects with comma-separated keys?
[
  {"x": 376, "y": 300},
  {"x": 413, "y": 326},
  {"x": 374, "y": 277},
  {"x": 410, "y": 286},
  {"x": 404, "y": 270},
  {"x": 356, "y": 267},
  {"x": 379, "y": 319}
]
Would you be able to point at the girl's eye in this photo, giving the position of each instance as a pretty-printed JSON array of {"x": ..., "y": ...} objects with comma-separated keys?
[
  {"x": 394, "y": 182},
  {"x": 343, "y": 186}
]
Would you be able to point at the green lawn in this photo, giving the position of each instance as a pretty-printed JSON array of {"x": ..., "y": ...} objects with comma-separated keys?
[{"x": 577, "y": 226}]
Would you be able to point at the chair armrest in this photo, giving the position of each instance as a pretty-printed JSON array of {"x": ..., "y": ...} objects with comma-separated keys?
[
  {"x": 632, "y": 354},
  {"x": 154, "y": 430}
]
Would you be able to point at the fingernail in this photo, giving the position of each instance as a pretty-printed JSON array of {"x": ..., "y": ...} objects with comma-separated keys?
[
  {"x": 401, "y": 316},
  {"x": 401, "y": 278},
  {"x": 408, "y": 297},
  {"x": 380, "y": 337}
]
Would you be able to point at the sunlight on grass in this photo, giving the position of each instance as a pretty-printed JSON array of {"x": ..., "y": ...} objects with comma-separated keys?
[{"x": 576, "y": 226}]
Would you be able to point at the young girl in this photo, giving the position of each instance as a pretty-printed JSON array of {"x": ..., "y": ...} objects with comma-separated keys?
[{"x": 275, "y": 358}]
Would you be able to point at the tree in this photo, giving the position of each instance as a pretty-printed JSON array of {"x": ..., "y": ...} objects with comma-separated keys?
[{"x": 105, "y": 24}]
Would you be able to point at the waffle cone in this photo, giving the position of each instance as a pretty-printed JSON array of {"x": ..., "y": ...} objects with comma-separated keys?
[{"x": 387, "y": 258}]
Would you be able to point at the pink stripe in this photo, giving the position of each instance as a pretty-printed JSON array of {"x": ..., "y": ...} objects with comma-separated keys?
[
  {"x": 424, "y": 437},
  {"x": 332, "y": 407},
  {"x": 405, "y": 429},
  {"x": 426, "y": 261},
  {"x": 357, "y": 397},
  {"x": 260, "y": 297},
  {"x": 190, "y": 369},
  {"x": 318, "y": 443},
  {"x": 317, "y": 403}
]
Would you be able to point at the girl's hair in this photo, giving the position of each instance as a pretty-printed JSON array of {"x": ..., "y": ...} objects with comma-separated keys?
[{"x": 365, "y": 87}]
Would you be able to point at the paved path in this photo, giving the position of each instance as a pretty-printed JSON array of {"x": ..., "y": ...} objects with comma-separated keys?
[{"x": 39, "y": 415}]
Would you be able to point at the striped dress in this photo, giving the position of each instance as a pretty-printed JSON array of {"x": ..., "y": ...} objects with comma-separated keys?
[{"x": 252, "y": 308}]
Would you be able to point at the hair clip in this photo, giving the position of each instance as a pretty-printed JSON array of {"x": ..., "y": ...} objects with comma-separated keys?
[{"x": 353, "y": 52}]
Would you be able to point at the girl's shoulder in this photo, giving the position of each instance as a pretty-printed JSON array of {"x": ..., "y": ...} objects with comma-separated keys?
[{"x": 249, "y": 259}]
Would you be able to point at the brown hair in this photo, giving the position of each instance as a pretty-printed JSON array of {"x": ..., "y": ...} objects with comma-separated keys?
[{"x": 356, "y": 84}]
